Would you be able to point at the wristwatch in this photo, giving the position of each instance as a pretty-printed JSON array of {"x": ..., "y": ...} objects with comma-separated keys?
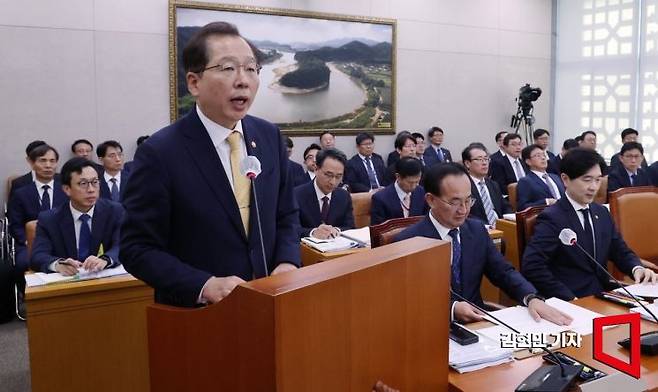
[{"x": 532, "y": 296}]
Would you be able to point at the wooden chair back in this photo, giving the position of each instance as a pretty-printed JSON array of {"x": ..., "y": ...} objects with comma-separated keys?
[
  {"x": 601, "y": 196},
  {"x": 383, "y": 233},
  {"x": 30, "y": 233},
  {"x": 361, "y": 208},
  {"x": 511, "y": 191},
  {"x": 525, "y": 226},
  {"x": 635, "y": 212}
]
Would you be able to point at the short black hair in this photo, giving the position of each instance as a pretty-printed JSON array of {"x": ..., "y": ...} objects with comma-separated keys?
[
  {"x": 539, "y": 133},
  {"x": 102, "y": 148},
  {"x": 510, "y": 136},
  {"x": 74, "y": 165},
  {"x": 325, "y": 132},
  {"x": 142, "y": 139},
  {"x": 195, "y": 53},
  {"x": 41, "y": 150},
  {"x": 579, "y": 161},
  {"x": 569, "y": 144},
  {"x": 363, "y": 136},
  {"x": 401, "y": 140},
  {"x": 287, "y": 141},
  {"x": 408, "y": 167},
  {"x": 435, "y": 175},
  {"x": 313, "y": 146},
  {"x": 81, "y": 141},
  {"x": 585, "y": 133},
  {"x": 628, "y": 131},
  {"x": 578, "y": 139},
  {"x": 499, "y": 135},
  {"x": 631, "y": 146},
  {"x": 433, "y": 130},
  {"x": 417, "y": 135},
  {"x": 32, "y": 146},
  {"x": 527, "y": 151},
  {"x": 330, "y": 153},
  {"x": 466, "y": 153}
]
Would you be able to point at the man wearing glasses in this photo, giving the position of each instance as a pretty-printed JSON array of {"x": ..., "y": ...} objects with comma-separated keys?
[
  {"x": 112, "y": 176},
  {"x": 630, "y": 172},
  {"x": 325, "y": 209},
  {"x": 537, "y": 188},
  {"x": 82, "y": 234},
  {"x": 473, "y": 252},
  {"x": 191, "y": 228}
]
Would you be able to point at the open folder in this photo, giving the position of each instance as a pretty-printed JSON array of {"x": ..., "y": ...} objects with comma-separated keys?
[{"x": 42, "y": 279}]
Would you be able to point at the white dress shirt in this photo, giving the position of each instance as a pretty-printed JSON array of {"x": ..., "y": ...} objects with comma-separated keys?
[
  {"x": 77, "y": 224},
  {"x": 319, "y": 194},
  {"x": 372, "y": 166},
  {"x": 40, "y": 185},
  {"x": 511, "y": 161},
  {"x": 549, "y": 181},
  {"x": 108, "y": 177},
  {"x": 401, "y": 195},
  {"x": 443, "y": 233}
]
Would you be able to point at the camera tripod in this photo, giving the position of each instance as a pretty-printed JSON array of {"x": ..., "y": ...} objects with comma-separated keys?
[{"x": 524, "y": 117}]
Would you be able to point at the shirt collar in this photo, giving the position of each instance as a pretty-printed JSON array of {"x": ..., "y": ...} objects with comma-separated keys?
[
  {"x": 476, "y": 180},
  {"x": 399, "y": 191},
  {"x": 77, "y": 214},
  {"x": 218, "y": 133},
  {"x": 363, "y": 157},
  {"x": 576, "y": 206},
  {"x": 511, "y": 159},
  {"x": 108, "y": 176},
  {"x": 502, "y": 152},
  {"x": 538, "y": 173},
  {"x": 630, "y": 174},
  {"x": 311, "y": 174},
  {"x": 318, "y": 193},
  {"x": 34, "y": 176},
  {"x": 443, "y": 231},
  {"x": 40, "y": 184}
]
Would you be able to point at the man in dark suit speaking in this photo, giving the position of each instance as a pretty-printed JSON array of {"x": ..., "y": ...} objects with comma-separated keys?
[{"x": 190, "y": 227}]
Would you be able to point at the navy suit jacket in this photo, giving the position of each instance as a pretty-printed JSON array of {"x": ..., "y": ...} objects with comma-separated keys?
[
  {"x": 533, "y": 191},
  {"x": 105, "y": 187},
  {"x": 182, "y": 224},
  {"x": 618, "y": 178},
  {"x": 356, "y": 175},
  {"x": 553, "y": 164},
  {"x": 393, "y": 157},
  {"x": 653, "y": 173},
  {"x": 479, "y": 257},
  {"x": 55, "y": 236},
  {"x": 500, "y": 204},
  {"x": 25, "y": 205},
  {"x": 295, "y": 173},
  {"x": 386, "y": 204},
  {"x": 615, "y": 162},
  {"x": 23, "y": 180},
  {"x": 432, "y": 158},
  {"x": 340, "y": 209},
  {"x": 564, "y": 271},
  {"x": 502, "y": 172}
]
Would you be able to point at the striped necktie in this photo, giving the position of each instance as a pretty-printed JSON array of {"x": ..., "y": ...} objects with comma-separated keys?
[{"x": 488, "y": 205}]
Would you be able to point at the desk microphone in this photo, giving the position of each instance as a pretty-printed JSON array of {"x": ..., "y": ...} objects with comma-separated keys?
[
  {"x": 250, "y": 168},
  {"x": 546, "y": 378}
]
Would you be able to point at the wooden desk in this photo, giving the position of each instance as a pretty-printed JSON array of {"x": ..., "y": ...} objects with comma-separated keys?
[
  {"x": 89, "y": 336},
  {"x": 508, "y": 376},
  {"x": 312, "y": 256},
  {"x": 488, "y": 291},
  {"x": 511, "y": 242}
]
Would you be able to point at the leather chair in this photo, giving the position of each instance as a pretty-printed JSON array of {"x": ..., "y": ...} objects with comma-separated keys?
[
  {"x": 525, "y": 227},
  {"x": 30, "y": 233},
  {"x": 383, "y": 233},
  {"x": 511, "y": 191},
  {"x": 10, "y": 179},
  {"x": 601, "y": 196},
  {"x": 361, "y": 208}
]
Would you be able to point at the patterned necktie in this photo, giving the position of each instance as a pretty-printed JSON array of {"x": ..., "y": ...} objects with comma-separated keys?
[
  {"x": 371, "y": 174},
  {"x": 241, "y": 184},
  {"x": 518, "y": 170},
  {"x": 488, "y": 205},
  {"x": 45, "y": 198},
  {"x": 84, "y": 240},
  {"x": 406, "y": 205},
  {"x": 324, "y": 212},
  {"x": 588, "y": 241},
  {"x": 550, "y": 186},
  {"x": 114, "y": 190},
  {"x": 456, "y": 261}
]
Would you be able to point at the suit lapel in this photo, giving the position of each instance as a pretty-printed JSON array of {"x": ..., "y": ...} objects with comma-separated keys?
[
  {"x": 394, "y": 202},
  {"x": 68, "y": 231},
  {"x": 495, "y": 198},
  {"x": 312, "y": 203},
  {"x": 575, "y": 225},
  {"x": 541, "y": 184}
]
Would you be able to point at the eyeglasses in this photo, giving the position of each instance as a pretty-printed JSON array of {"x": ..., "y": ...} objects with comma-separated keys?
[
  {"x": 540, "y": 155},
  {"x": 481, "y": 160},
  {"x": 230, "y": 68},
  {"x": 85, "y": 183},
  {"x": 306, "y": 158},
  {"x": 114, "y": 155},
  {"x": 632, "y": 156},
  {"x": 331, "y": 176},
  {"x": 466, "y": 203}
]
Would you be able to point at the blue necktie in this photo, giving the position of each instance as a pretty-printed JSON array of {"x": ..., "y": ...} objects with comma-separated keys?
[
  {"x": 45, "y": 198},
  {"x": 633, "y": 179},
  {"x": 84, "y": 242},
  {"x": 371, "y": 174},
  {"x": 114, "y": 190},
  {"x": 456, "y": 261},
  {"x": 439, "y": 154}
]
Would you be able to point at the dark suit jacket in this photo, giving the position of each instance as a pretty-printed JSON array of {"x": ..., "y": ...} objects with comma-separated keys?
[
  {"x": 182, "y": 224},
  {"x": 500, "y": 204},
  {"x": 533, "y": 191},
  {"x": 653, "y": 173},
  {"x": 564, "y": 271},
  {"x": 356, "y": 175},
  {"x": 386, "y": 204},
  {"x": 105, "y": 187},
  {"x": 295, "y": 173},
  {"x": 393, "y": 157},
  {"x": 432, "y": 158},
  {"x": 340, "y": 209},
  {"x": 56, "y": 235},
  {"x": 23, "y": 180},
  {"x": 25, "y": 206},
  {"x": 503, "y": 173},
  {"x": 479, "y": 257},
  {"x": 618, "y": 178},
  {"x": 553, "y": 164},
  {"x": 616, "y": 163}
]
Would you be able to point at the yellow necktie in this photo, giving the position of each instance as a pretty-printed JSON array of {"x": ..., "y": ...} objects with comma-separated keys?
[{"x": 241, "y": 184}]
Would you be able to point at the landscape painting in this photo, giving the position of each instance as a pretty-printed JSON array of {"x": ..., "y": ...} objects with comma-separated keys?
[{"x": 319, "y": 72}]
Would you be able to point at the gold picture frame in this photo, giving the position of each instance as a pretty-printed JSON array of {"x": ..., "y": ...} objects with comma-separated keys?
[{"x": 352, "y": 91}]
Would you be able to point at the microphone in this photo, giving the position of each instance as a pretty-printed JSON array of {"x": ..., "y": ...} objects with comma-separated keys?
[
  {"x": 250, "y": 168},
  {"x": 569, "y": 238}
]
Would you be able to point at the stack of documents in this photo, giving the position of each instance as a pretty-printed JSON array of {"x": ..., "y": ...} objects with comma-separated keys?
[
  {"x": 333, "y": 245},
  {"x": 641, "y": 290},
  {"x": 362, "y": 235},
  {"x": 486, "y": 352},
  {"x": 41, "y": 279},
  {"x": 653, "y": 308}
]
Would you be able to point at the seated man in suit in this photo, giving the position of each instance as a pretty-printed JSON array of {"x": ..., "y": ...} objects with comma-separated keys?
[
  {"x": 509, "y": 169},
  {"x": 405, "y": 146},
  {"x": 295, "y": 170},
  {"x": 325, "y": 209},
  {"x": 26, "y": 203},
  {"x": 434, "y": 153},
  {"x": 327, "y": 140},
  {"x": 588, "y": 140},
  {"x": 473, "y": 252},
  {"x": 500, "y": 153},
  {"x": 403, "y": 198},
  {"x": 309, "y": 161},
  {"x": 627, "y": 135},
  {"x": 112, "y": 177},
  {"x": 81, "y": 234},
  {"x": 629, "y": 173},
  {"x": 29, "y": 177},
  {"x": 365, "y": 170},
  {"x": 489, "y": 203},
  {"x": 542, "y": 138},
  {"x": 82, "y": 148},
  {"x": 394, "y": 155},
  {"x": 566, "y": 272},
  {"x": 420, "y": 146},
  {"x": 538, "y": 187}
]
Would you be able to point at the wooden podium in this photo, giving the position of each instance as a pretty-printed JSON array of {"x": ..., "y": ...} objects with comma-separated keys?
[{"x": 340, "y": 325}]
